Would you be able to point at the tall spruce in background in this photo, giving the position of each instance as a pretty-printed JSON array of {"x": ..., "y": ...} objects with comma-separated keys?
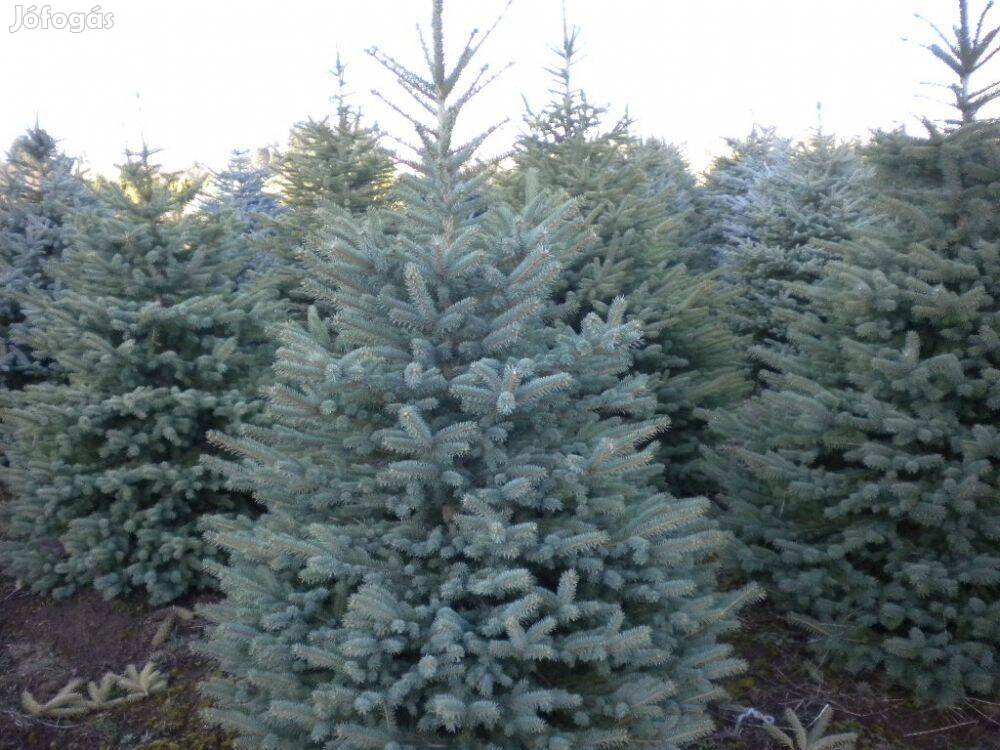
[
  {"x": 864, "y": 481},
  {"x": 727, "y": 197},
  {"x": 463, "y": 545},
  {"x": 340, "y": 164},
  {"x": 39, "y": 188},
  {"x": 157, "y": 346},
  {"x": 638, "y": 198},
  {"x": 819, "y": 195},
  {"x": 671, "y": 179},
  {"x": 330, "y": 168},
  {"x": 239, "y": 189}
]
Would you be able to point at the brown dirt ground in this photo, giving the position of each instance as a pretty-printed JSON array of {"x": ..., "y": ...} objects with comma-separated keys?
[
  {"x": 45, "y": 642},
  {"x": 783, "y": 674}
]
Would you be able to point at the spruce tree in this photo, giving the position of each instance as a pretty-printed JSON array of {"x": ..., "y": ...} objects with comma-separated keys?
[
  {"x": 727, "y": 197},
  {"x": 157, "y": 346},
  {"x": 638, "y": 199},
  {"x": 673, "y": 182},
  {"x": 39, "y": 188},
  {"x": 340, "y": 164},
  {"x": 239, "y": 189},
  {"x": 863, "y": 481},
  {"x": 819, "y": 195},
  {"x": 330, "y": 168},
  {"x": 463, "y": 546}
]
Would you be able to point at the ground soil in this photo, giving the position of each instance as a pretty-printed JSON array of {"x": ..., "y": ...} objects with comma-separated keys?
[
  {"x": 783, "y": 674},
  {"x": 45, "y": 642}
]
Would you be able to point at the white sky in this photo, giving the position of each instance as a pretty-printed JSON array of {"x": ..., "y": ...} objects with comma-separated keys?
[{"x": 200, "y": 78}]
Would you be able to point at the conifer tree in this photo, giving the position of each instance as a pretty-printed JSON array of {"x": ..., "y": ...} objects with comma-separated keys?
[
  {"x": 727, "y": 197},
  {"x": 157, "y": 347},
  {"x": 39, "y": 187},
  {"x": 672, "y": 180},
  {"x": 463, "y": 546},
  {"x": 330, "y": 168},
  {"x": 818, "y": 196},
  {"x": 340, "y": 164},
  {"x": 863, "y": 481},
  {"x": 638, "y": 198},
  {"x": 239, "y": 189}
]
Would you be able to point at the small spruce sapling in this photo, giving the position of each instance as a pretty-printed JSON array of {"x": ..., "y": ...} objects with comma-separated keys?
[{"x": 158, "y": 346}]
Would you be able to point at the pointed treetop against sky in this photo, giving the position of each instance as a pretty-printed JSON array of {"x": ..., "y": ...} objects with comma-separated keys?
[
  {"x": 463, "y": 545},
  {"x": 437, "y": 95},
  {"x": 971, "y": 46},
  {"x": 568, "y": 114}
]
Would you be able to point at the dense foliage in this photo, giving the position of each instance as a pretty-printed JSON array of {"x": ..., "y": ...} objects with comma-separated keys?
[
  {"x": 431, "y": 424},
  {"x": 331, "y": 167},
  {"x": 819, "y": 195},
  {"x": 863, "y": 481},
  {"x": 241, "y": 191},
  {"x": 157, "y": 346},
  {"x": 337, "y": 163},
  {"x": 39, "y": 190},
  {"x": 464, "y": 544},
  {"x": 727, "y": 200},
  {"x": 638, "y": 200}
]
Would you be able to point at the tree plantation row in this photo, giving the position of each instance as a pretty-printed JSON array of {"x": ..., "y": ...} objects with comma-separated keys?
[{"x": 492, "y": 455}]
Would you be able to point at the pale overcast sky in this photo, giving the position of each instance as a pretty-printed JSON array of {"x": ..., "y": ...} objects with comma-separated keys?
[{"x": 197, "y": 79}]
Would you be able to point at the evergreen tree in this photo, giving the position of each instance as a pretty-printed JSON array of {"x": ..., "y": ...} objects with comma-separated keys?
[
  {"x": 39, "y": 187},
  {"x": 240, "y": 190},
  {"x": 340, "y": 165},
  {"x": 863, "y": 481},
  {"x": 329, "y": 169},
  {"x": 727, "y": 197},
  {"x": 819, "y": 195},
  {"x": 463, "y": 546},
  {"x": 638, "y": 197},
  {"x": 965, "y": 53},
  {"x": 673, "y": 182},
  {"x": 157, "y": 346}
]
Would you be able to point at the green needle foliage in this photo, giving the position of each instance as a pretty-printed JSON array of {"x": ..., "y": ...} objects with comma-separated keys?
[
  {"x": 338, "y": 164},
  {"x": 463, "y": 546},
  {"x": 638, "y": 200},
  {"x": 819, "y": 195},
  {"x": 726, "y": 201},
  {"x": 864, "y": 480},
  {"x": 157, "y": 346},
  {"x": 331, "y": 167}
]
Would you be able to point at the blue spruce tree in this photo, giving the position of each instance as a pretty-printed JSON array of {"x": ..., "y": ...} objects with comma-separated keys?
[
  {"x": 462, "y": 546},
  {"x": 726, "y": 201},
  {"x": 821, "y": 194},
  {"x": 672, "y": 181},
  {"x": 240, "y": 190},
  {"x": 157, "y": 347},
  {"x": 637, "y": 198},
  {"x": 863, "y": 481},
  {"x": 39, "y": 188}
]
